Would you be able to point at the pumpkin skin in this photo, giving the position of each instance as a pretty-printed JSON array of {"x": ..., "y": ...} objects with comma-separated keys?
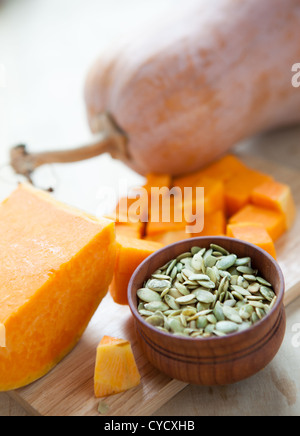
[{"x": 191, "y": 88}]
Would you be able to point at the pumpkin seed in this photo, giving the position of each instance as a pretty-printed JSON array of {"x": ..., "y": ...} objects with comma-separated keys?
[
  {"x": 159, "y": 285},
  {"x": 254, "y": 288},
  {"x": 155, "y": 320},
  {"x": 245, "y": 270},
  {"x": 171, "y": 267},
  {"x": 171, "y": 302},
  {"x": 199, "y": 277},
  {"x": 156, "y": 305},
  {"x": 218, "y": 312},
  {"x": 210, "y": 261},
  {"x": 186, "y": 299},
  {"x": 209, "y": 285},
  {"x": 175, "y": 325},
  {"x": 246, "y": 311},
  {"x": 263, "y": 282},
  {"x": 147, "y": 295},
  {"x": 227, "y": 262},
  {"x": 241, "y": 290},
  {"x": 201, "y": 322},
  {"x": 232, "y": 315},
  {"x": 181, "y": 288},
  {"x": 226, "y": 327},
  {"x": 204, "y": 296},
  {"x": 244, "y": 261},
  {"x": 220, "y": 249},
  {"x": 198, "y": 263},
  {"x": 184, "y": 256},
  {"x": 267, "y": 293}
]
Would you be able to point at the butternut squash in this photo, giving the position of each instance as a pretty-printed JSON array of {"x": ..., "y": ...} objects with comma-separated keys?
[
  {"x": 56, "y": 264},
  {"x": 186, "y": 90},
  {"x": 115, "y": 369}
]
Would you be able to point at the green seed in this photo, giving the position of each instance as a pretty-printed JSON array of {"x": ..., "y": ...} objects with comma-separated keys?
[
  {"x": 147, "y": 295},
  {"x": 267, "y": 293},
  {"x": 171, "y": 302},
  {"x": 156, "y": 305},
  {"x": 204, "y": 296},
  {"x": 226, "y": 327},
  {"x": 227, "y": 262}
]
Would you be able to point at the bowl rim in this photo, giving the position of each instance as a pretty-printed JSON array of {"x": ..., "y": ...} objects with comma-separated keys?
[{"x": 214, "y": 239}]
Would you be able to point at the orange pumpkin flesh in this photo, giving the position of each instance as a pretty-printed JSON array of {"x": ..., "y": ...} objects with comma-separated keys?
[
  {"x": 115, "y": 368},
  {"x": 273, "y": 221},
  {"x": 276, "y": 196},
  {"x": 130, "y": 253},
  {"x": 255, "y": 234},
  {"x": 56, "y": 266}
]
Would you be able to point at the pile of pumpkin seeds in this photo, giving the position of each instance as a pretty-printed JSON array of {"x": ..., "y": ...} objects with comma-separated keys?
[{"x": 205, "y": 293}]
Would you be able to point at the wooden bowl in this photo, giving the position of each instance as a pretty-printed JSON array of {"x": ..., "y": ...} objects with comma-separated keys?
[{"x": 216, "y": 360}]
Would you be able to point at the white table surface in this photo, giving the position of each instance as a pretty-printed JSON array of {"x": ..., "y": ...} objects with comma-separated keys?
[{"x": 46, "y": 49}]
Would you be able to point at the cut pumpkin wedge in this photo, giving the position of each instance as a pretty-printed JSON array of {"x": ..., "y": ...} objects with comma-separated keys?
[{"x": 115, "y": 370}]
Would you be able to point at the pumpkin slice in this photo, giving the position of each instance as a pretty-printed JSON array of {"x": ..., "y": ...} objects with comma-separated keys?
[
  {"x": 56, "y": 266},
  {"x": 273, "y": 221},
  {"x": 254, "y": 233},
  {"x": 276, "y": 196},
  {"x": 130, "y": 253},
  {"x": 115, "y": 368},
  {"x": 239, "y": 188}
]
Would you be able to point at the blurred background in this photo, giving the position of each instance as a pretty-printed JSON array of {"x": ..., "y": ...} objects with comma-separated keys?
[{"x": 46, "y": 49}]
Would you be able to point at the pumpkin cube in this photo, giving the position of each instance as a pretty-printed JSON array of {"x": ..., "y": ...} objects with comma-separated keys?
[
  {"x": 253, "y": 233},
  {"x": 130, "y": 253},
  {"x": 276, "y": 196},
  {"x": 273, "y": 221},
  {"x": 115, "y": 369},
  {"x": 225, "y": 168},
  {"x": 239, "y": 188}
]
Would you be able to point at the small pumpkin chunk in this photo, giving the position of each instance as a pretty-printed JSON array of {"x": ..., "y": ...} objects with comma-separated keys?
[
  {"x": 273, "y": 221},
  {"x": 276, "y": 196},
  {"x": 239, "y": 188},
  {"x": 130, "y": 253},
  {"x": 115, "y": 370},
  {"x": 254, "y": 233}
]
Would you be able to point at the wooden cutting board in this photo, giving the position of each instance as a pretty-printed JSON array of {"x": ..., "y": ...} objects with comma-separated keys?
[{"x": 68, "y": 389}]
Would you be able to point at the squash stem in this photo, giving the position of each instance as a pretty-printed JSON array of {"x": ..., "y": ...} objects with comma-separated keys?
[{"x": 110, "y": 139}]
